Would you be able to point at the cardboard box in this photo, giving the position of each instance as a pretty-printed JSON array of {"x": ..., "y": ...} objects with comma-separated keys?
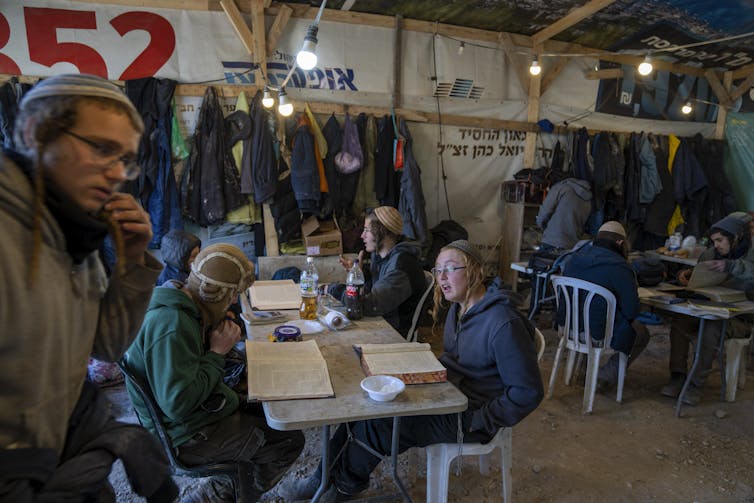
[{"x": 322, "y": 238}]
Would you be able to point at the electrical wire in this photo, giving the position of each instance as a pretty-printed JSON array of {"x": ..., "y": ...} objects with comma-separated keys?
[{"x": 439, "y": 126}]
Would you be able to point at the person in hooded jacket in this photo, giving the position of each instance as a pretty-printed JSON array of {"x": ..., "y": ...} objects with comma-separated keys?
[
  {"x": 732, "y": 253},
  {"x": 563, "y": 214},
  {"x": 179, "y": 249},
  {"x": 179, "y": 354},
  {"x": 604, "y": 262},
  {"x": 490, "y": 355},
  {"x": 396, "y": 281}
]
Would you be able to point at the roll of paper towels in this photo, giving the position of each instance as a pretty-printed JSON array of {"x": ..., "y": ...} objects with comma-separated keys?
[{"x": 334, "y": 320}]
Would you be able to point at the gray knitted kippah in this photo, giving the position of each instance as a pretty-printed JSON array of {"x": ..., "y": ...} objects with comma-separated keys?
[
  {"x": 75, "y": 84},
  {"x": 468, "y": 249}
]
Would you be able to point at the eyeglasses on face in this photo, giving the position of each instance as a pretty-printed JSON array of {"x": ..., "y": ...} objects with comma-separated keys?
[
  {"x": 107, "y": 155},
  {"x": 447, "y": 269}
]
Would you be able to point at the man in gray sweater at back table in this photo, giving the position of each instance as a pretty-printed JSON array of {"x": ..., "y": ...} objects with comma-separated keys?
[{"x": 563, "y": 214}]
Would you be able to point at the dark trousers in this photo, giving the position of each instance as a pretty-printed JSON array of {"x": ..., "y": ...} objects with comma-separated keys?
[
  {"x": 352, "y": 470},
  {"x": 245, "y": 436}
]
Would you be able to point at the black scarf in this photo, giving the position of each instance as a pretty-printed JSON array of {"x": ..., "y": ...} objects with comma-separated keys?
[{"x": 84, "y": 232}]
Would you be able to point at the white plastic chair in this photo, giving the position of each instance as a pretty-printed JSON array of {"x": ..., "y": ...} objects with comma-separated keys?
[
  {"x": 440, "y": 456},
  {"x": 413, "y": 332},
  {"x": 735, "y": 372},
  {"x": 576, "y": 335}
]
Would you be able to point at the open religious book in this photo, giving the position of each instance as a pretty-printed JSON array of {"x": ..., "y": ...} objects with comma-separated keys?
[
  {"x": 287, "y": 370},
  {"x": 411, "y": 362},
  {"x": 275, "y": 294}
]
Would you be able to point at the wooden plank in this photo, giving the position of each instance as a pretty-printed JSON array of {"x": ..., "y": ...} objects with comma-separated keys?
[
  {"x": 270, "y": 234},
  {"x": 607, "y": 73},
  {"x": 552, "y": 74},
  {"x": 258, "y": 34},
  {"x": 506, "y": 42},
  {"x": 278, "y": 25},
  {"x": 238, "y": 23},
  {"x": 267, "y": 4},
  {"x": 722, "y": 111},
  {"x": 570, "y": 19},
  {"x": 397, "y": 61},
  {"x": 720, "y": 91},
  {"x": 743, "y": 71},
  {"x": 743, "y": 87}
]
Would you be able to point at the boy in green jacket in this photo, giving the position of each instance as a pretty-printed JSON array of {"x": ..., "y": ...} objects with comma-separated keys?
[{"x": 179, "y": 353}]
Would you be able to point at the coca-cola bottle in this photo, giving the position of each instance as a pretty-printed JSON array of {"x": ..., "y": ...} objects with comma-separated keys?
[{"x": 354, "y": 291}]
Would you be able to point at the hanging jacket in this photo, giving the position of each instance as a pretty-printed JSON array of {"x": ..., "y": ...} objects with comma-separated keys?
[
  {"x": 582, "y": 162},
  {"x": 264, "y": 162},
  {"x": 720, "y": 201},
  {"x": 411, "y": 203},
  {"x": 661, "y": 208},
  {"x": 304, "y": 171},
  {"x": 365, "y": 197},
  {"x": 285, "y": 210},
  {"x": 210, "y": 186},
  {"x": 689, "y": 188},
  {"x": 650, "y": 184},
  {"x": 333, "y": 137},
  {"x": 387, "y": 180},
  {"x": 155, "y": 187}
]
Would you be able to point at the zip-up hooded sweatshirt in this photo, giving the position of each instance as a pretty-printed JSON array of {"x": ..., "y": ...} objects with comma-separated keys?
[
  {"x": 491, "y": 358},
  {"x": 169, "y": 355},
  {"x": 564, "y": 212}
]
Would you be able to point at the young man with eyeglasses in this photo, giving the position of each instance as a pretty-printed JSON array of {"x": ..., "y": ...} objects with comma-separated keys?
[{"x": 76, "y": 138}]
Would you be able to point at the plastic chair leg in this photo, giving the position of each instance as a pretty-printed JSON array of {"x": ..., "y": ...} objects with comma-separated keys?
[
  {"x": 622, "y": 366},
  {"x": 590, "y": 383},
  {"x": 438, "y": 472},
  {"x": 735, "y": 375},
  {"x": 506, "y": 464},
  {"x": 570, "y": 365},
  {"x": 555, "y": 365}
]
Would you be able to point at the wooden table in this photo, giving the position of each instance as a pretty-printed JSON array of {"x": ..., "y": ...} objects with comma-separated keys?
[
  {"x": 684, "y": 308},
  {"x": 351, "y": 403}
]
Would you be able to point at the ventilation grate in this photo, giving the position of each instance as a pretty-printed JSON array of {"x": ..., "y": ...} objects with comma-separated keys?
[{"x": 459, "y": 88}]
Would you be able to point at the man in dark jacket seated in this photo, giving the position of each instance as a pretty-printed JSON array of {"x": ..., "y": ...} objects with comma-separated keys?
[{"x": 604, "y": 263}]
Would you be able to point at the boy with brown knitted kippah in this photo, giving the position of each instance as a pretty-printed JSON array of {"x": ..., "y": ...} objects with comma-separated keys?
[
  {"x": 76, "y": 139},
  {"x": 180, "y": 353}
]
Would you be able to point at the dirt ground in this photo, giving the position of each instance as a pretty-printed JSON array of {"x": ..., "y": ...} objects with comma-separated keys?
[{"x": 637, "y": 451}]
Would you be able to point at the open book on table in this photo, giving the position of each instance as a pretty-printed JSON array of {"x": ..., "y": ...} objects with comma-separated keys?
[
  {"x": 287, "y": 370},
  {"x": 411, "y": 362},
  {"x": 275, "y": 294}
]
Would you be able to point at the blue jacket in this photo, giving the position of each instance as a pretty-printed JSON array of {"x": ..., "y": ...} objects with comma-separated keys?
[
  {"x": 304, "y": 171},
  {"x": 609, "y": 269},
  {"x": 491, "y": 358}
]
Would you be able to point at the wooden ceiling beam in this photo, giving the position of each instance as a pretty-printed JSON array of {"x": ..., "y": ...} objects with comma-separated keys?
[
  {"x": 743, "y": 87},
  {"x": 574, "y": 17},
  {"x": 743, "y": 71},
  {"x": 717, "y": 87},
  {"x": 551, "y": 74},
  {"x": 278, "y": 25},
  {"x": 608, "y": 73},
  {"x": 258, "y": 34},
  {"x": 506, "y": 43},
  {"x": 238, "y": 23}
]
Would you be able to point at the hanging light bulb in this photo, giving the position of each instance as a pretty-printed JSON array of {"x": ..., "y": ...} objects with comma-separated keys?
[
  {"x": 285, "y": 108},
  {"x": 460, "y": 48},
  {"x": 687, "y": 108},
  {"x": 645, "y": 68},
  {"x": 535, "y": 69},
  {"x": 267, "y": 99},
  {"x": 306, "y": 58}
]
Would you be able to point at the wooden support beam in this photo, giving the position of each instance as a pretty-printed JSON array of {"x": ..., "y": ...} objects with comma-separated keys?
[
  {"x": 743, "y": 71},
  {"x": 270, "y": 234},
  {"x": 722, "y": 112},
  {"x": 551, "y": 74},
  {"x": 743, "y": 87},
  {"x": 267, "y": 4},
  {"x": 570, "y": 19},
  {"x": 258, "y": 34},
  {"x": 238, "y": 23},
  {"x": 607, "y": 73},
  {"x": 506, "y": 42},
  {"x": 397, "y": 61},
  {"x": 278, "y": 25},
  {"x": 532, "y": 116},
  {"x": 720, "y": 91}
]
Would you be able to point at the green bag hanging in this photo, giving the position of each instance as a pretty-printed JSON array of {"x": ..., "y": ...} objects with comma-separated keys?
[{"x": 178, "y": 145}]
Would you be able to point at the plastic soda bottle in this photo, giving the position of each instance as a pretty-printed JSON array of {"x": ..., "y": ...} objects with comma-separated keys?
[
  {"x": 309, "y": 283},
  {"x": 354, "y": 292}
]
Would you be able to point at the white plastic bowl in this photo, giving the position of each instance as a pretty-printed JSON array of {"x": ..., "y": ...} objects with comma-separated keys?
[{"x": 382, "y": 388}]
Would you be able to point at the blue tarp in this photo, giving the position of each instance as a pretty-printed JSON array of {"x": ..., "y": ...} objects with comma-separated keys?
[{"x": 739, "y": 158}]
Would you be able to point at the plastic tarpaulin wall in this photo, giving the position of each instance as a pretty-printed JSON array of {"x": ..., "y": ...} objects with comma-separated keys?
[{"x": 739, "y": 161}]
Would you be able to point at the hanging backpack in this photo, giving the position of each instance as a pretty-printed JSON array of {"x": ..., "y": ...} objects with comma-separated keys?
[{"x": 350, "y": 158}]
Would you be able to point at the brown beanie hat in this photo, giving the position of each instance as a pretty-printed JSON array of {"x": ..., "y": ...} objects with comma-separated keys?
[
  {"x": 218, "y": 274},
  {"x": 390, "y": 218}
]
